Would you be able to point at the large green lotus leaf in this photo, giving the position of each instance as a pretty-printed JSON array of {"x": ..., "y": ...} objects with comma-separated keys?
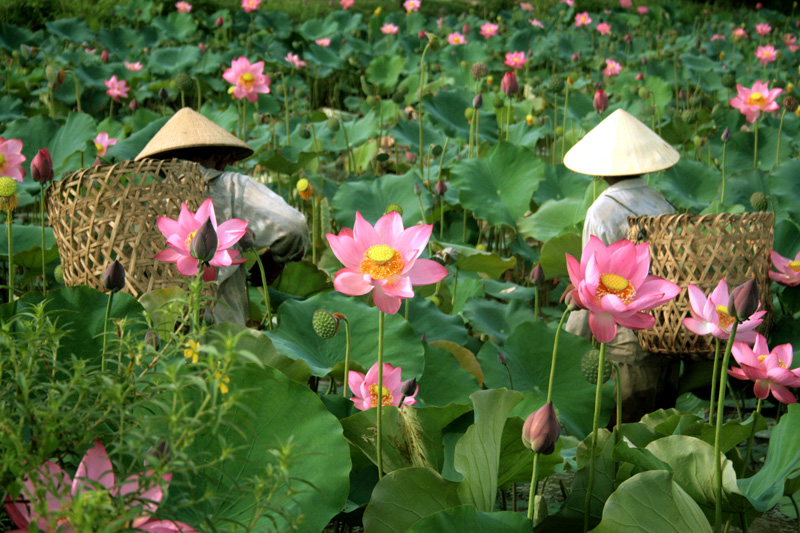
[
  {"x": 521, "y": 134},
  {"x": 516, "y": 459},
  {"x": 80, "y": 311},
  {"x": 554, "y": 258},
  {"x": 498, "y": 187},
  {"x": 11, "y": 37},
  {"x": 72, "y": 137},
  {"x": 529, "y": 350},
  {"x": 164, "y": 307},
  {"x": 560, "y": 182},
  {"x": 742, "y": 145},
  {"x": 71, "y": 29},
  {"x": 652, "y": 501},
  {"x": 446, "y": 110},
  {"x": 295, "y": 337},
  {"x": 10, "y": 109},
  {"x": 406, "y": 132},
  {"x": 497, "y": 319},
  {"x": 273, "y": 411},
  {"x": 444, "y": 381},
  {"x": 25, "y": 238},
  {"x": 765, "y": 488},
  {"x": 327, "y": 60},
  {"x": 477, "y": 453},
  {"x": 553, "y": 218},
  {"x": 302, "y": 279},
  {"x": 690, "y": 184},
  {"x": 384, "y": 70},
  {"x": 411, "y": 436},
  {"x": 358, "y": 131},
  {"x": 130, "y": 147},
  {"x": 177, "y": 26},
  {"x": 489, "y": 264},
  {"x": 506, "y": 290},
  {"x": 122, "y": 41},
  {"x": 784, "y": 188},
  {"x": 174, "y": 59},
  {"x": 405, "y": 496},
  {"x": 428, "y": 320},
  {"x": 315, "y": 28},
  {"x": 468, "y": 518},
  {"x": 372, "y": 196},
  {"x": 743, "y": 183},
  {"x": 787, "y": 238}
]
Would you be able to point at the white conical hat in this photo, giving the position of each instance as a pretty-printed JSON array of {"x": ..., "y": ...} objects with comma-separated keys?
[
  {"x": 621, "y": 145},
  {"x": 189, "y": 129}
]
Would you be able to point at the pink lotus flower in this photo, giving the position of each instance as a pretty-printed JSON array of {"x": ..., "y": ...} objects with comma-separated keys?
[
  {"x": 710, "y": 315},
  {"x": 582, "y": 19},
  {"x": 411, "y": 5},
  {"x": 133, "y": 67},
  {"x": 489, "y": 30},
  {"x": 365, "y": 388},
  {"x": 789, "y": 41},
  {"x": 739, "y": 33},
  {"x": 102, "y": 142},
  {"x": 516, "y": 60},
  {"x": 642, "y": 10},
  {"x": 763, "y": 29},
  {"x": 751, "y": 102},
  {"x": 526, "y": 6},
  {"x": 717, "y": 36},
  {"x": 90, "y": 50},
  {"x": 788, "y": 271},
  {"x": 95, "y": 472},
  {"x": 11, "y": 159},
  {"x": 346, "y": 4},
  {"x": 604, "y": 28},
  {"x": 456, "y": 39},
  {"x": 250, "y": 5},
  {"x": 612, "y": 68},
  {"x": 183, "y": 7},
  {"x": 295, "y": 60},
  {"x": 536, "y": 23},
  {"x": 612, "y": 282},
  {"x": 625, "y": 3},
  {"x": 323, "y": 42},
  {"x": 766, "y": 54},
  {"x": 769, "y": 370},
  {"x": 570, "y": 3},
  {"x": 383, "y": 258},
  {"x": 248, "y": 79},
  {"x": 179, "y": 234},
  {"x": 389, "y": 29},
  {"x": 116, "y": 88}
]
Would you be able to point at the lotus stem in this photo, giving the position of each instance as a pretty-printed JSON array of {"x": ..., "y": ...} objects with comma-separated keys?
[
  {"x": 755, "y": 147},
  {"x": 536, "y": 304},
  {"x": 750, "y": 439},
  {"x": 724, "y": 181},
  {"x": 780, "y": 128},
  {"x": 566, "y": 103},
  {"x": 41, "y": 215},
  {"x": 268, "y": 311},
  {"x": 9, "y": 225},
  {"x": 314, "y": 231},
  {"x": 286, "y": 105},
  {"x": 77, "y": 91},
  {"x": 346, "y": 354},
  {"x": 199, "y": 93},
  {"x": 555, "y": 353},
  {"x": 618, "y": 426},
  {"x": 598, "y": 398},
  {"x": 105, "y": 330},
  {"x": 350, "y": 157},
  {"x": 379, "y": 407},
  {"x": 421, "y": 87},
  {"x": 714, "y": 376},
  {"x": 718, "y": 458},
  {"x": 534, "y": 485}
]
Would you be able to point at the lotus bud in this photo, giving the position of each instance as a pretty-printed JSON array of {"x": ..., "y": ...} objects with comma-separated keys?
[
  {"x": 417, "y": 189},
  {"x": 209, "y": 275},
  {"x": 465, "y": 29},
  {"x": 575, "y": 56},
  {"x": 133, "y": 105},
  {"x": 744, "y": 300},
  {"x": 333, "y": 124},
  {"x": 325, "y": 324},
  {"x": 502, "y": 358},
  {"x": 509, "y": 85},
  {"x": 441, "y": 187},
  {"x": 104, "y": 56},
  {"x": 42, "y": 167},
  {"x": 421, "y": 34},
  {"x": 25, "y": 51},
  {"x": 409, "y": 387},
  {"x": 220, "y": 21},
  {"x": 410, "y": 157},
  {"x": 541, "y": 430},
  {"x": 163, "y": 94},
  {"x": 51, "y": 75},
  {"x": 477, "y": 102},
  {"x": 60, "y": 77},
  {"x": 204, "y": 244},
  {"x": 248, "y": 240},
  {"x": 114, "y": 277},
  {"x": 202, "y": 48},
  {"x": 600, "y": 101},
  {"x": 628, "y": 38},
  {"x": 726, "y": 135},
  {"x": 537, "y": 275}
]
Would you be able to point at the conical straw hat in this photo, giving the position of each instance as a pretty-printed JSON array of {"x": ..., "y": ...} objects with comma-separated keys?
[
  {"x": 621, "y": 145},
  {"x": 189, "y": 129}
]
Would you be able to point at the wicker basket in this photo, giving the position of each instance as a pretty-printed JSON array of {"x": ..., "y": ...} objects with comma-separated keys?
[
  {"x": 104, "y": 213},
  {"x": 701, "y": 250}
]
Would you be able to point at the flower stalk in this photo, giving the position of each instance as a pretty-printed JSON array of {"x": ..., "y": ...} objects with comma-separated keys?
[
  {"x": 598, "y": 398},
  {"x": 9, "y": 232},
  {"x": 379, "y": 407},
  {"x": 268, "y": 310},
  {"x": 718, "y": 457}
]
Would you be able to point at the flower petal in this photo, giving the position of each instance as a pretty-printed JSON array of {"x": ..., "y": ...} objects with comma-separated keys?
[
  {"x": 426, "y": 272},
  {"x": 95, "y": 469},
  {"x": 384, "y": 302},
  {"x": 351, "y": 283},
  {"x": 603, "y": 326}
]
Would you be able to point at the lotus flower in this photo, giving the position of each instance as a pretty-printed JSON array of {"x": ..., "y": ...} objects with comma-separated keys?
[
  {"x": 384, "y": 260},
  {"x": 788, "y": 271},
  {"x": 604, "y": 28},
  {"x": 509, "y": 84},
  {"x": 769, "y": 370},
  {"x": 346, "y": 4},
  {"x": 456, "y": 39},
  {"x": 389, "y": 29},
  {"x": 751, "y": 102},
  {"x": 42, "y": 167},
  {"x": 536, "y": 23},
  {"x": 295, "y": 60},
  {"x": 710, "y": 315},
  {"x": 766, "y": 54},
  {"x": 541, "y": 430},
  {"x": 248, "y": 79},
  {"x": 789, "y": 40},
  {"x": 642, "y": 10},
  {"x": 102, "y": 142},
  {"x": 116, "y": 88},
  {"x": 717, "y": 36},
  {"x": 526, "y": 6},
  {"x": 411, "y": 5},
  {"x": 516, "y": 60},
  {"x": 625, "y": 3},
  {"x": 582, "y": 19},
  {"x": 570, "y": 3},
  {"x": 323, "y": 42},
  {"x": 180, "y": 233},
  {"x": 763, "y": 29},
  {"x": 600, "y": 101},
  {"x": 612, "y": 282},
  {"x": 739, "y": 33},
  {"x": 183, "y": 7},
  {"x": 250, "y": 5},
  {"x": 489, "y": 30},
  {"x": 133, "y": 67},
  {"x": 365, "y": 388},
  {"x": 612, "y": 68},
  {"x": 11, "y": 159},
  {"x": 95, "y": 472}
]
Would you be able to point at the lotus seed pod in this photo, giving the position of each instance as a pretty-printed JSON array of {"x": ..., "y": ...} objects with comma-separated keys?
[
  {"x": 394, "y": 207},
  {"x": 790, "y": 104},
  {"x": 644, "y": 93},
  {"x": 559, "y": 131},
  {"x": 480, "y": 70},
  {"x": 437, "y": 150},
  {"x": 58, "y": 274},
  {"x": 759, "y": 201},
  {"x": 498, "y": 102},
  {"x": 371, "y": 100},
  {"x": 729, "y": 80},
  {"x": 697, "y": 141},
  {"x": 469, "y": 113},
  {"x": 184, "y": 82},
  {"x": 8, "y": 187},
  {"x": 590, "y": 363},
  {"x": 398, "y": 98},
  {"x": 382, "y": 157},
  {"x": 333, "y": 124},
  {"x": 556, "y": 84},
  {"x": 304, "y": 133},
  {"x": 324, "y": 323}
]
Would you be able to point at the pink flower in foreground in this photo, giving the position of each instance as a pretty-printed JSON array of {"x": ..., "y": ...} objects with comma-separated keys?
[
  {"x": 625, "y": 3},
  {"x": 604, "y": 28},
  {"x": 570, "y": 3},
  {"x": 751, "y": 102},
  {"x": 116, "y": 88},
  {"x": 456, "y": 39},
  {"x": 346, "y": 4},
  {"x": 526, "y": 6},
  {"x": 739, "y": 33},
  {"x": 789, "y": 41},
  {"x": 95, "y": 473},
  {"x": 295, "y": 60},
  {"x": 133, "y": 67},
  {"x": 788, "y": 271},
  {"x": 763, "y": 29},
  {"x": 516, "y": 60},
  {"x": 179, "y": 234},
  {"x": 613, "y": 283},
  {"x": 383, "y": 259},
  {"x": 582, "y": 19},
  {"x": 389, "y": 29},
  {"x": 489, "y": 30},
  {"x": 102, "y": 143},
  {"x": 710, "y": 315},
  {"x": 766, "y": 54},
  {"x": 411, "y": 5},
  {"x": 612, "y": 68},
  {"x": 323, "y": 42},
  {"x": 536, "y": 23},
  {"x": 769, "y": 370},
  {"x": 250, "y": 5},
  {"x": 365, "y": 388},
  {"x": 248, "y": 79},
  {"x": 717, "y": 36},
  {"x": 642, "y": 10},
  {"x": 11, "y": 159},
  {"x": 183, "y": 7}
]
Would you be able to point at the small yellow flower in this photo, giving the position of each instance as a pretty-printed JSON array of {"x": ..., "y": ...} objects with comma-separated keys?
[
  {"x": 192, "y": 350},
  {"x": 223, "y": 381},
  {"x": 789, "y": 88},
  {"x": 489, "y": 80},
  {"x": 377, "y": 11}
]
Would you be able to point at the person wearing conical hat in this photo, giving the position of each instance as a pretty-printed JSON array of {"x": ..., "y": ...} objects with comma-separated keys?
[
  {"x": 620, "y": 150},
  {"x": 275, "y": 224}
]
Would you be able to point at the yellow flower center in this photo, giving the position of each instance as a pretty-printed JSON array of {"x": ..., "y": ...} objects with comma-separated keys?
[
  {"x": 794, "y": 265},
  {"x": 616, "y": 285},
  {"x": 2, "y": 161},
  {"x": 99, "y": 147},
  {"x": 386, "y": 397},
  {"x": 762, "y": 357},
  {"x": 756, "y": 98},
  {"x": 247, "y": 80},
  {"x": 189, "y": 238},
  {"x": 725, "y": 319},
  {"x": 382, "y": 262}
]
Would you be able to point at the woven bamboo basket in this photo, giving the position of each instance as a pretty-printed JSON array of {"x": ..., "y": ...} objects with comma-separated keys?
[
  {"x": 701, "y": 250},
  {"x": 109, "y": 212}
]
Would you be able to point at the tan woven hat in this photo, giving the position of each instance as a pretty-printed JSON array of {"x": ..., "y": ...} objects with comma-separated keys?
[
  {"x": 621, "y": 145},
  {"x": 189, "y": 129}
]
